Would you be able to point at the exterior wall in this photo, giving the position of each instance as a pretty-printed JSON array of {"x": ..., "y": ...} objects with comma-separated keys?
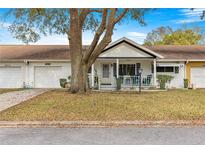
[
  {"x": 178, "y": 80},
  {"x": 189, "y": 65}
]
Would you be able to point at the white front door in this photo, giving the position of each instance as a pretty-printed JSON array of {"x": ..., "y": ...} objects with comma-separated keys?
[
  {"x": 11, "y": 77},
  {"x": 106, "y": 74},
  {"x": 47, "y": 76},
  {"x": 198, "y": 77}
]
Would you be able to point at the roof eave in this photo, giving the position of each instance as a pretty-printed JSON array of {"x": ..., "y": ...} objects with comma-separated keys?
[{"x": 35, "y": 60}]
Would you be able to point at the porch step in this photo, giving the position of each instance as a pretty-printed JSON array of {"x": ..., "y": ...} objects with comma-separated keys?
[
  {"x": 107, "y": 87},
  {"x": 105, "y": 84}
]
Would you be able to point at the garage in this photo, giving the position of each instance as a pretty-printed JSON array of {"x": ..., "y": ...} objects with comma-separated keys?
[
  {"x": 11, "y": 77},
  {"x": 47, "y": 76},
  {"x": 198, "y": 77}
]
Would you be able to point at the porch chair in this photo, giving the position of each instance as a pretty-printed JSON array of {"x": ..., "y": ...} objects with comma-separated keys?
[{"x": 147, "y": 81}]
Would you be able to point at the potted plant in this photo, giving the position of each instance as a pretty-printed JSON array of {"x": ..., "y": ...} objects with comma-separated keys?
[
  {"x": 63, "y": 82},
  {"x": 186, "y": 83},
  {"x": 118, "y": 83}
]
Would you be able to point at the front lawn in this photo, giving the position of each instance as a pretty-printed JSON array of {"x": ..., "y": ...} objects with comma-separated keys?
[
  {"x": 5, "y": 90},
  {"x": 61, "y": 105}
]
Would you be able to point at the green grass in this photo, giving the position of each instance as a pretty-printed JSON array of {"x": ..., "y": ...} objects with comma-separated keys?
[
  {"x": 61, "y": 105},
  {"x": 5, "y": 90}
]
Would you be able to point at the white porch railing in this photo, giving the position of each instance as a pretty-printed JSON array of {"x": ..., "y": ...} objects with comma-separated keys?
[
  {"x": 135, "y": 80},
  {"x": 96, "y": 81},
  {"x": 126, "y": 81}
]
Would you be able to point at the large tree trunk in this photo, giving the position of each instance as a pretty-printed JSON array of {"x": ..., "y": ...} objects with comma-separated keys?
[{"x": 78, "y": 67}]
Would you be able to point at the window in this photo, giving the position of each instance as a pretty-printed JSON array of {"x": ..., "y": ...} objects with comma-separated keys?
[
  {"x": 138, "y": 66},
  {"x": 168, "y": 69},
  {"x": 160, "y": 69},
  {"x": 127, "y": 69},
  {"x": 105, "y": 70},
  {"x": 165, "y": 69},
  {"x": 114, "y": 69},
  {"x": 176, "y": 70}
]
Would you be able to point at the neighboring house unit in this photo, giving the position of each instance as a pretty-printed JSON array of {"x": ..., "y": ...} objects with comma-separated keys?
[{"x": 41, "y": 66}]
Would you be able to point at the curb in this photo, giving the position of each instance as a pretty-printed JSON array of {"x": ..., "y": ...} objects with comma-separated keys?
[{"x": 103, "y": 124}]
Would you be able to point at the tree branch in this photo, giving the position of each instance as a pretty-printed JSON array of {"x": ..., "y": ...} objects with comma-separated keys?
[
  {"x": 121, "y": 15},
  {"x": 96, "y": 10},
  {"x": 106, "y": 39},
  {"x": 96, "y": 38},
  {"x": 84, "y": 12},
  {"x": 83, "y": 15}
]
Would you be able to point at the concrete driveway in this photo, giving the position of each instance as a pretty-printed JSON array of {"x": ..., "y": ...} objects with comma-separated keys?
[
  {"x": 13, "y": 98},
  {"x": 195, "y": 135}
]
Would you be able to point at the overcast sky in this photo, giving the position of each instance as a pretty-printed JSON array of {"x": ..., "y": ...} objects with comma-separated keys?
[{"x": 175, "y": 18}]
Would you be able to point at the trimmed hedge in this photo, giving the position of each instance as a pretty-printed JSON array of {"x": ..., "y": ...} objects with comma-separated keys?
[{"x": 163, "y": 79}]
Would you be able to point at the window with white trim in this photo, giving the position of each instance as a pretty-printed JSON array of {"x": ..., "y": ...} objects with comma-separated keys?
[
  {"x": 169, "y": 69},
  {"x": 165, "y": 69},
  {"x": 127, "y": 69}
]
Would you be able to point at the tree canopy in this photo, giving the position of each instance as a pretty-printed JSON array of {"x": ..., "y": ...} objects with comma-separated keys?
[
  {"x": 30, "y": 24},
  {"x": 180, "y": 37},
  {"x": 156, "y": 36},
  {"x": 166, "y": 36}
]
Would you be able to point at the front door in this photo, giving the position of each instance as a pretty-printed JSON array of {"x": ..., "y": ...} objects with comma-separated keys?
[{"x": 106, "y": 76}]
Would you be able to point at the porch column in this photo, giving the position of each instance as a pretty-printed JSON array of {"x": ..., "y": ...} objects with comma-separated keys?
[
  {"x": 155, "y": 72},
  {"x": 117, "y": 68},
  {"x": 92, "y": 76}
]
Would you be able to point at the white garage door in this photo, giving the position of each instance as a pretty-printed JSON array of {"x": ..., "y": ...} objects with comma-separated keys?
[
  {"x": 198, "y": 77},
  {"x": 47, "y": 76},
  {"x": 11, "y": 77}
]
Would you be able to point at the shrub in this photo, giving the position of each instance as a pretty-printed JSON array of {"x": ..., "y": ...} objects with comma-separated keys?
[
  {"x": 163, "y": 79},
  {"x": 186, "y": 83},
  {"x": 118, "y": 82},
  {"x": 63, "y": 82}
]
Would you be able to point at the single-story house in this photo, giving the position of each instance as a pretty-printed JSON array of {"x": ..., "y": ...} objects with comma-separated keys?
[{"x": 41, "y": 66}]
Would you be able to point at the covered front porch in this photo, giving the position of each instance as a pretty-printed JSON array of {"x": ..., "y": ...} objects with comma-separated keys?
[
  {"x": 124, "y": 63},
  {"x": 130, "y": 72}
]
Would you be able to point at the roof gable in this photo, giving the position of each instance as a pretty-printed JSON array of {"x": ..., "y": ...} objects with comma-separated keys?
[
  {"x": 123, "y": 50},
  {"x": 134, "y": 45}
]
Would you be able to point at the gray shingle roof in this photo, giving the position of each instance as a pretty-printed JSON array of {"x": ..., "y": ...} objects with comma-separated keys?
[{"x": 62, "y": 52}]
